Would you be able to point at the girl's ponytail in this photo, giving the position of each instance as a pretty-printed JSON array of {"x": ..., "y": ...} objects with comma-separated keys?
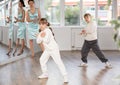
[{"x": 48, "y": 24}]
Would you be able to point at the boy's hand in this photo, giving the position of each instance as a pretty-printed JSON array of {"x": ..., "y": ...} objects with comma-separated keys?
[
  {"x": 43, "y": 34},
  {"x": 83, "y": 32}
]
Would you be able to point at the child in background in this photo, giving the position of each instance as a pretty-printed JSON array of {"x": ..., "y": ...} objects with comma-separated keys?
[{"x": 91, "y": 42}]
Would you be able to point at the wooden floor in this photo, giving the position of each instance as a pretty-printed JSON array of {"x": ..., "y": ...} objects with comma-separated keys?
[
  {"x": 26, "y": 71},
  {"x": 3, "y": 51}
]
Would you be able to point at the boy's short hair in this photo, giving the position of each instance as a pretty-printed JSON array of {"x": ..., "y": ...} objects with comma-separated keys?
[{"x": 87, "y": 14}]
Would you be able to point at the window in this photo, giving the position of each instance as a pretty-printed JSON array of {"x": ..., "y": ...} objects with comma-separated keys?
[
  {"x": 5, "y": 10},
  {"x": 118, "y": 9},
  {"x": 72, "y": 12},
  {"x": 104, "y": 13},
  {"x": 26, "y": 4},
  {"x": 52, "y": 11},
  {"x": 2, "y": 13},
  {"x": 14, "y": 9},
  {"x": 2, "y": 17}
]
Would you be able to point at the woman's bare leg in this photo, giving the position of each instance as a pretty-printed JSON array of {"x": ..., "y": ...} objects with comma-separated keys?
[
  {"x": 31, "y": 48},
  {"x": 17, "y": 44},
  {"x": 22, "y": 48},
  {"x": 9, "y": 47}
]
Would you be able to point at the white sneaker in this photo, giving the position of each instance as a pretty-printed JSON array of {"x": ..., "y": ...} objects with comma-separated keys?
[
  {"x": 65, "y": 79},
  {"x": 108, "y": 65},
  {"x": 44, "y": 75},
  {"x": 83, "y": 64}
]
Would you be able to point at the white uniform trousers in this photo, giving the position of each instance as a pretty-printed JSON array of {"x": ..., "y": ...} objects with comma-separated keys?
[{"x": 55, "y": 54}]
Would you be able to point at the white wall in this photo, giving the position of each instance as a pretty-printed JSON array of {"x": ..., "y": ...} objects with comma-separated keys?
[
  {"x": 68, "y": 38},
  {"x": 0, "y": 33},
  {"x": 63, "y": 37},
  {"x": 105, "y": 38},
  {"x": 77, "y": 39},
  {"x": 5, "y": 38}
]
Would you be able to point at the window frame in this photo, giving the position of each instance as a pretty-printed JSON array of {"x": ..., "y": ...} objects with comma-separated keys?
[{"x": 62, "y": 12}]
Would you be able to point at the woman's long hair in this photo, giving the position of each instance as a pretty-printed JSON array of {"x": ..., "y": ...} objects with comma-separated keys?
[{"x": 22, "y": 2}]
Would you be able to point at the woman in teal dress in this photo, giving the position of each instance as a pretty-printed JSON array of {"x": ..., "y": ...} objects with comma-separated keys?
[
  {"x": 10, "y": 35},
  {"x": 21, "y": 28},
  {"x": 32, "y": 17}
]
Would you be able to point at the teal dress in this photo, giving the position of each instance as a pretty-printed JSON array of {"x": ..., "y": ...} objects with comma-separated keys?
[
  {"x": 21, "y": 28},
  {"x": 10, "y": 29},
  {"x": 33, "y": 28}
]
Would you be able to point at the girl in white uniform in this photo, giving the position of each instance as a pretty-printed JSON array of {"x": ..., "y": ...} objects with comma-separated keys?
[{"x": 46, "y": 37}]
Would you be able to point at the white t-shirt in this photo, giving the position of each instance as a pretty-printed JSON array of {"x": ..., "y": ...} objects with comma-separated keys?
[
  {"x": 91, "y": 30},
  {"x": 48, "y": 41}
]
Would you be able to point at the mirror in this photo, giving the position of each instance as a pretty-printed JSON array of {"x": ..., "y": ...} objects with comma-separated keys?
[
  {"x": 6, "y": 29},
  {"x": 9, "y": 32}
]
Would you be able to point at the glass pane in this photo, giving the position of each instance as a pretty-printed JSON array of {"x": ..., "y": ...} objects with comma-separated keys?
[
  {"x": 14, "y": 9},
  {"x": 52, "y": 11},
  {"x": 72, "y": 12},
  {"x": 2, "y": 13},
  {"x": 104, "y": 13},
  {"x": 7, "y": 9},
  {"x": 2, "y": 17},
  {"x": 118, "y": 8},
  {"x": 1, "y": 0},
  {"x": 88, "y": 7},
  {"x": 26, "y": 3}
]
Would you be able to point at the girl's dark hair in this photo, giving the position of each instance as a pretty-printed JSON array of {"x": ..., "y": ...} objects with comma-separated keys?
[
  {"x": 22, "y": 2},
  {"x": 30, "y": 0},
  {"x": 44, "y": 21}
]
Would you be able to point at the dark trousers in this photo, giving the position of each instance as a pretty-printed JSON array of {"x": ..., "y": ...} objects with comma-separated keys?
[{"x": 95, "y": 48}]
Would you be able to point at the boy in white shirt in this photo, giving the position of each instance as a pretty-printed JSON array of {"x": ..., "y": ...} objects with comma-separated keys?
[{"x": 91, "y": 42}]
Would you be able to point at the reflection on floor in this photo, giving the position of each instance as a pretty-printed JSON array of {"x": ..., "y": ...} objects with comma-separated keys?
[
  {"x": 26, "y": 71},
  {"x": 3, "y": 51}
]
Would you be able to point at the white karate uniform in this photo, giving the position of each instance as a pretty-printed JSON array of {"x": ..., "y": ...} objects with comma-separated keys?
[{"x": 51, "y": 49}]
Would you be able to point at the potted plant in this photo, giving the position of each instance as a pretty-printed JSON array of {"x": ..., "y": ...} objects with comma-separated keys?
[{"x": 116, "y": 24}]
